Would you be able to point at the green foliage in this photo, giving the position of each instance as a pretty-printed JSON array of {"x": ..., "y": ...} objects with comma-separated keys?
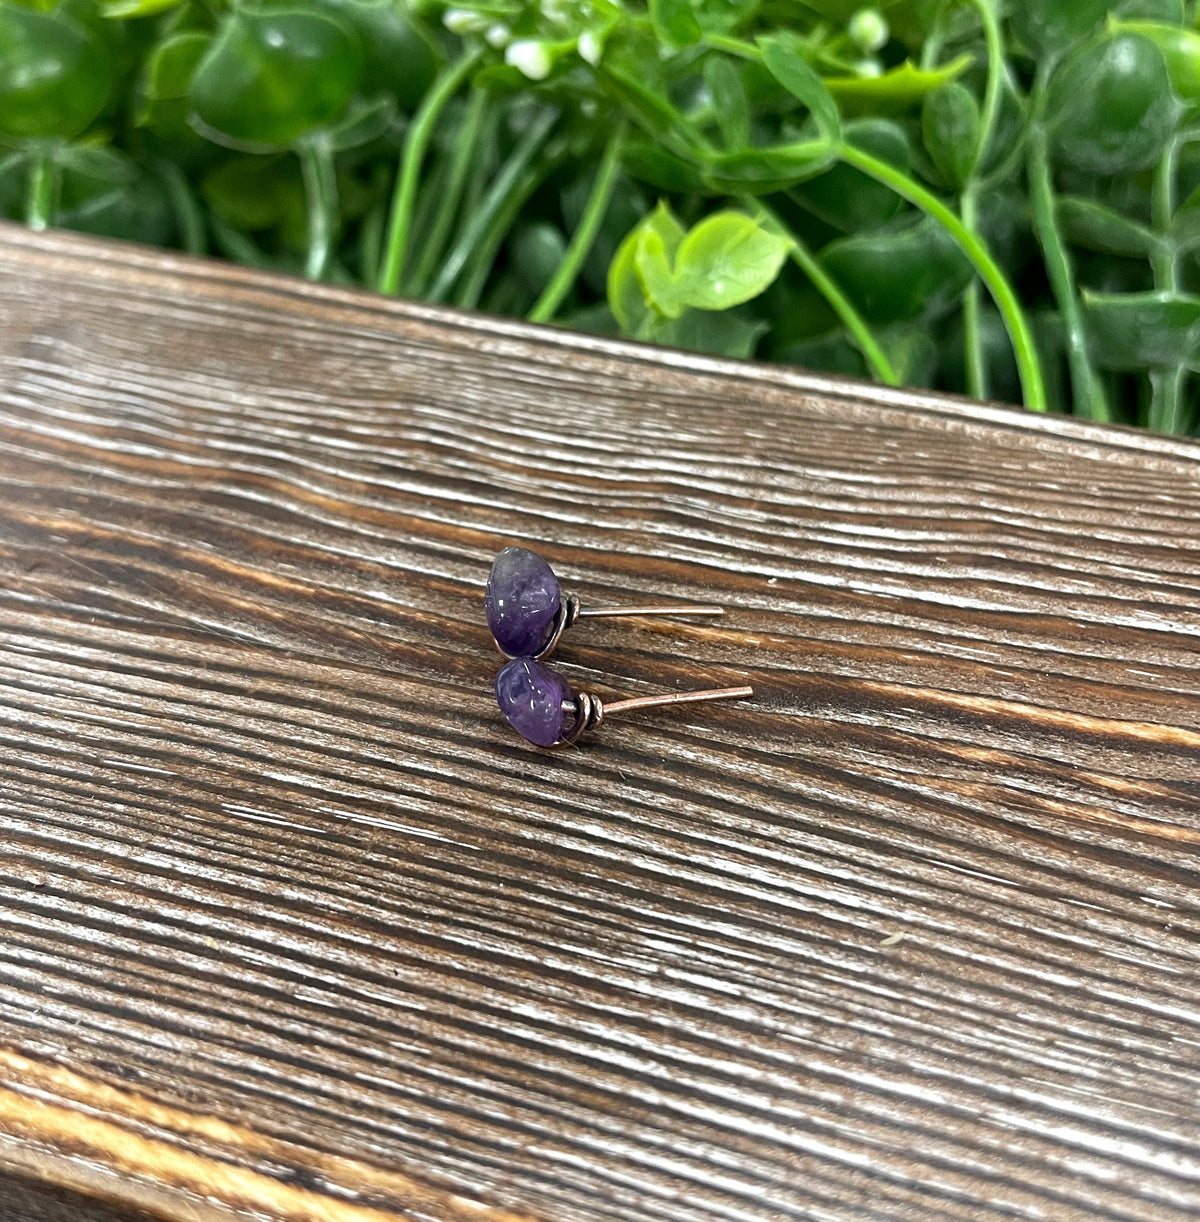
[
  {"x": 1050, "y": 27},
  {"x": 662, "y": 273},
  {"x": 55, "y": 75},
  {"x": 783, "y": 55},
  {"x": 1136, "y": 331},
  {"x": 904, "y": 189},
  {"x": 950, "y": 128},
  {"x": 271, "y": 77},
  {"x": 1111, "y": 107}
]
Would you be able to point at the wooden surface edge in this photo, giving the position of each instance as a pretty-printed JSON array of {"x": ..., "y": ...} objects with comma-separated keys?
[
  {"x": 82, "y": 248},
  {"x": 81, "y": 1134}
]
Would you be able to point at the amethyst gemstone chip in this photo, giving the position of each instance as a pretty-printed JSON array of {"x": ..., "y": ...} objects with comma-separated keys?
[
  {"x": 532, "y": 697},
  {"x": 522, "y": 601}
]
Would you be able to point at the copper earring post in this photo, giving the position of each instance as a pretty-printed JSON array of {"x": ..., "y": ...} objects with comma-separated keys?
[
  {"x": 615, "y": 612},
  {"x": 590, "y": 711},
  {"x": 570, "y": 610},
  {"x": 653, "y": 702}
]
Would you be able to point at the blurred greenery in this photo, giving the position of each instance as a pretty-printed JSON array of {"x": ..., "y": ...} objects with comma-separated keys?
[{"x": 994, "y": 197}]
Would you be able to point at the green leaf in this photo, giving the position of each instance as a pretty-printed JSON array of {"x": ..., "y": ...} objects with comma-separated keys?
[
  {"x": 1170, "y": 12},
  {"x": 652, "y": 164},
  {"x": 167, "y": 74},
  {"x": 1111, "y": 108},
  {"x": 1140, "y": 331},
  {"x": 1185, "y": 225},
  {"x": 105, "y": 192},
  {"x": 625, "y": 297},
  {"x": 675, "y": 22},
  {"x": 845, "y": 197},
  {"x": 725, "y": 333},
  {"x": 536, "y": 251},
  {"x": 658, "y": 238},
  {"x": 55, "y": 75},
  {"x": 896, "y": 91},
  {"x": 764, "y": 171},
  {"x": 137, "y": 8},
  {"x": 724, "y": 81},
  {"x": 726, "y": 259},
  {"x": 652, "y": 111},
  {"x": 253, "y": 193},
  {"x": 663, "y": 222},
  {"x": 1050, "y": 27},
  {"x": 913, "y": 354},
  {"x": 659, "y": 272},
  {"x": 400, "y": 57},
  {"x": 161, "y": 97},
  {"x": 365, "y": 120},
  {"x": 274, "y": 75},
  {"x": 1086, "y": 223},
  {"x": 1180, "y": 50},
  {"x": 648, "y": 249},
  {"x": 652, "y": 263},
  {"x": 897, "y": 276},
  {"x": 950, "y": 129},
  {"x": 723, "y": 16},
  {"x": 783, "y": 54}
]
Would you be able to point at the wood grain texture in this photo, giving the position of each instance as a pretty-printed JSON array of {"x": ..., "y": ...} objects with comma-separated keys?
[
  {"x": 31, "y": 1201},
  {"x": 294, "y": 928}
]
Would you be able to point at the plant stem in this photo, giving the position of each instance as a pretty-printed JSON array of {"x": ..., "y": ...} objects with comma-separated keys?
[
  {"x": 973, "y": 365},
  {"x": 931, "y": 48},
  {"x": 842, "y": 306},
  {"x": 1162, "y": 208},
  {"x": 188, "y": 216},
  {"x": 567, "y": 272},
  {"x": 320, "y": 191},
  {"x": 466, "y": 141},
  {"x": 371, "y": 243},
  {"x": 995, "y": 75},
  {"x": 43, "y": 187},
  {"x": 1166, "y": 403},
  {"x": 477, "y": 226},
  {"x": 415, "y": 144},
  {"x": 1024, "y": 348},
  {"x": 472, "y": 285},
  {"x": 976, "y": 377},
  {"x": 1087, "y": 391},
  {"x": 234, "y": 244},
  {"x": 1166, "y": 385},
  {"x": 732, "y": 46}
]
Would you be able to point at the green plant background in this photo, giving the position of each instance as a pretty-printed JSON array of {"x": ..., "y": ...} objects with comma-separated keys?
[{"x": 1000, "y": 199}]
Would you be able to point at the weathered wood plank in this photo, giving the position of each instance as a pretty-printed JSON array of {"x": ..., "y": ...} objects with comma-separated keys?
[
  {"x": 293, "y": 925},
  {"x": 31, "y": 1201}
]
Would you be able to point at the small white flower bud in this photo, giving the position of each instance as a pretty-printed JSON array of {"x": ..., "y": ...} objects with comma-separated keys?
[
  {"x": 590, "y": 48},
  {"x": 530, "y": 56},
  {"x": 463, "y": 21},
  {"x": 869, "y": 29}
]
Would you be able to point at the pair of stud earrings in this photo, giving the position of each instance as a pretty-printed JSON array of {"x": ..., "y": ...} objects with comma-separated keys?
[{"x": 528, "y": 613}]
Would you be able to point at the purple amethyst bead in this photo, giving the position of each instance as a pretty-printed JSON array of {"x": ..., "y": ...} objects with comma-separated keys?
[
  {"x": 532, "y": 697},
  {"x": 522, "y": 602}
]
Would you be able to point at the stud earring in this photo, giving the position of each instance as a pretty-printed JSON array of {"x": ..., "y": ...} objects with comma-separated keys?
[
  {"x": 527, "y": 612},
  {"x": 541, "y": 707}
]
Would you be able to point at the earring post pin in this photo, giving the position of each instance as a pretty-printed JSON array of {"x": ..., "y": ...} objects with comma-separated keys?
[
  {"x": 614, "y": 612},
  {"x": 653, "y": 702}
]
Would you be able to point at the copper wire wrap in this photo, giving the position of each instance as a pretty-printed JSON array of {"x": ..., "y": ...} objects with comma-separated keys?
[
  {"x": 589, "y": 713},
  {"x": 568, "y": 613}
]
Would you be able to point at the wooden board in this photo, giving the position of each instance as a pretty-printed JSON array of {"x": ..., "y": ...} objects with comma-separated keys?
[{"x": 293, "y": 926}]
